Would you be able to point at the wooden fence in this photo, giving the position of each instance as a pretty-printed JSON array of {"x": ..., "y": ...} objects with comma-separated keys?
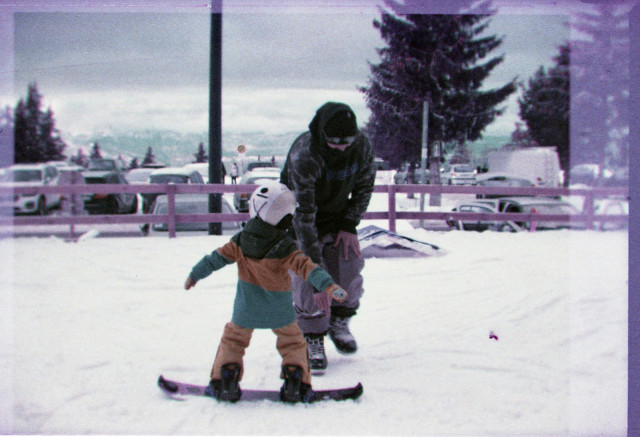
[{"x": 588, "y": 216}]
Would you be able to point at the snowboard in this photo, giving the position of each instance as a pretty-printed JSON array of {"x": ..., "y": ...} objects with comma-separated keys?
[{"x": 179, "y": 390}]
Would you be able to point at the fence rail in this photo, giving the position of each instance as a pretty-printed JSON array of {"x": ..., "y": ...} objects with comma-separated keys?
[{"x": 72, "y": 192}]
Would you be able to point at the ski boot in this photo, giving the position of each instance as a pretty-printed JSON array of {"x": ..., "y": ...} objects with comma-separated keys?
[
  {"x": 317, "y": 356},
  {"x": 227, "y": 388},
  {"x": 293, "y": 389},
  {"x": 341, "y": 336}
]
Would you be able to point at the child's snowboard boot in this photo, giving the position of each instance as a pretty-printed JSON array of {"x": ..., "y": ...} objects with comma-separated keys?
[
  {"x": 293, "y": 389},
  {"x": 317, "y": 356},
  {"x": 227, "y": 388}
]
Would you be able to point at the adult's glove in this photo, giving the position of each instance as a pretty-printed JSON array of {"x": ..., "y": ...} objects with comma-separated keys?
[
  {"x": 323, "y": 299},
  {"x": 348, "y": 241}
]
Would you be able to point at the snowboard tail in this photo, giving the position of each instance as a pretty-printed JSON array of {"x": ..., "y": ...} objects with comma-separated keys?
[{"x": 180, "y": 390}]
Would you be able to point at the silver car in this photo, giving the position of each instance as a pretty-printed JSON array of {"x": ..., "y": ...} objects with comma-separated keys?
[
  {"x": 27, "y": 175},
  {"x": 191, "y": 204},
  {"x": 255, "y": 177},
  {"x": 530, "y": 205},
  {"x": 458, "y": 174}
]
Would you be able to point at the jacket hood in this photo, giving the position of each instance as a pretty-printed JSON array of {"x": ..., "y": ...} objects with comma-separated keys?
[
  {"x": 261, "y": 240},
  {"x": 317, "y": 125}
]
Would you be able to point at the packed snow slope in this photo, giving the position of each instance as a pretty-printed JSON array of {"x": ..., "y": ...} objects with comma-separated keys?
[{"x": 88, "y": 327}]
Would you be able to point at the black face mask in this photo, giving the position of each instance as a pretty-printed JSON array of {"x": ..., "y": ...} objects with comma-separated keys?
[{"x": 285, "y": 223}]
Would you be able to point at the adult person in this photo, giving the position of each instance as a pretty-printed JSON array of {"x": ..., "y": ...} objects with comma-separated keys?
[{"x": 331, "y": 170}]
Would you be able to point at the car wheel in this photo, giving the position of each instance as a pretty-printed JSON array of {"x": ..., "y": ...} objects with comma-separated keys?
[
  {"x": 134, "y": 207},
  {"x": 113, "y": 206}
]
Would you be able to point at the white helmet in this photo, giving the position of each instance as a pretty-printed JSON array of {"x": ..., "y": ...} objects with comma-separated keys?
[{"x": 272, "y": 201}]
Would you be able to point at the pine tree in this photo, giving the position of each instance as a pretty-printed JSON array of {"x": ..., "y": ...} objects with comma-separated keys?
[
  {"x": 96, "y": 153},
  {"x": 134, "y": 163},
  {"x": 544, "y": 106},
  {"x": 52, "y": 144},
  {"x": 600, "y": 86},
  {"x": 6, "y": 140},
  {"x": 149, "y": 158},
  {"x": 80, "y": 158},
  {"x": 201, "y": 155},
  {"x": 433, "y": 58},
  {"x": 35, "y": 137}
]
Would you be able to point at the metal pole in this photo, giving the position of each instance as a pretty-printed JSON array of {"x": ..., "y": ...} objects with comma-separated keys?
[
  {"x": 215, "y": 113},
  {"x": 423, "y": 156}
]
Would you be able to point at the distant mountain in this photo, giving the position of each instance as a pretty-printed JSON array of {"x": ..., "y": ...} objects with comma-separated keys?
[{"x": 177, "y": 148}]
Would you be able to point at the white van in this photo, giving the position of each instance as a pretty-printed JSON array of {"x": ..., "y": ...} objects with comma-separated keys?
[{"x": 540, "y": 165}]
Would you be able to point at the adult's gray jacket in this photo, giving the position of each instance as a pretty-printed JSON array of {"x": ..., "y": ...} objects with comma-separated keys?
[{"x": 333, "y": 188}]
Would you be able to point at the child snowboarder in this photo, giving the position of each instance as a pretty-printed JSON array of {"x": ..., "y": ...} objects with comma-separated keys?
[{"x": 265, "y": 252}]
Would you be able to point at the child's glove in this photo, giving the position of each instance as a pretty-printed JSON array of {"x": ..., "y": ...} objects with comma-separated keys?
[
  {"x": 337, "y": 293},
  {"x": 189, "y": 283}
]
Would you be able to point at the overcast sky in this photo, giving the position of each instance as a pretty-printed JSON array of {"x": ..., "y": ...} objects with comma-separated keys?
[{"x": 148, "y": 67}]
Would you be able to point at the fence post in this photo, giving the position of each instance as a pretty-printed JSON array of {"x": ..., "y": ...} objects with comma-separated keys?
[
  {"x": 171, "y": 206},
  {"x": 392, "y": 207},
  {"x": 589, "y": 209}
]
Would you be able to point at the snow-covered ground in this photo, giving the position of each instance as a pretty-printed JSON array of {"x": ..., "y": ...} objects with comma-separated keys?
[{"x": 87, "y": 327}]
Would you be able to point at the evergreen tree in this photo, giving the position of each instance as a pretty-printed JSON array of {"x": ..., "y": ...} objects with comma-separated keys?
[
  {"x": 432, "y": 58},
  {"x": 544, "y": 106},
  {"x": 96, "y": 153},
  {"x": 134, "y": 163},
  {"x": 600, "y": 86},
  {"x": 52, "y": 144},
  {"x": 35, "y": 137},
  {"x": 80, "y": 158},
  {"x": 149, "y": 158},
  {"x": 521, "y": 137},
  {"x": 201, "y": 155}
]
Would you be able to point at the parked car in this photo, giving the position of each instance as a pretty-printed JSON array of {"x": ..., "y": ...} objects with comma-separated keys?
[
  {"x": 71, "y": 175},
  {"x": 403, "y": 176},
  {"x": 103, "y": 165},
  {"x": 384, "y": 174},
  {"x": 501, "y": 180},
  {"x": 169, "y": 175},
  {"x": 487, "y": 207},
  {"x": 260, "y": 164},
  {"x": 255, "y": 177},
  {"x": 458, "y": 174},
  {"x": 191, "y": 204},
  {"x": 114, "y": 203},
  {"x": 27, "y": 175},
  {"x": 200, "y": 167},
  {"x": 542, "y": 205},
  {"x": 138, "y": 175}
]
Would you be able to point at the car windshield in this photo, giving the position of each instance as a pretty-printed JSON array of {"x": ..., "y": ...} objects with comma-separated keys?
[
  {"x": 253, "y": 180},
  {"x": 101, "y": 165},
  {"x": 254, "y": 165},
  {"x": 463, "y": 169},
  {"x": 23, "y": 176},
  {"x": 107, "y": 179},
  {"x": 168, "y": 179},
  {"x": 506, "y": 182}
]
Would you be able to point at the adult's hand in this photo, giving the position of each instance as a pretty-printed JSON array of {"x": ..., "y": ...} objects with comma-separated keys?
[
  {"x": 323, "y": 302},
  {"x": 348, "y": 241}
]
